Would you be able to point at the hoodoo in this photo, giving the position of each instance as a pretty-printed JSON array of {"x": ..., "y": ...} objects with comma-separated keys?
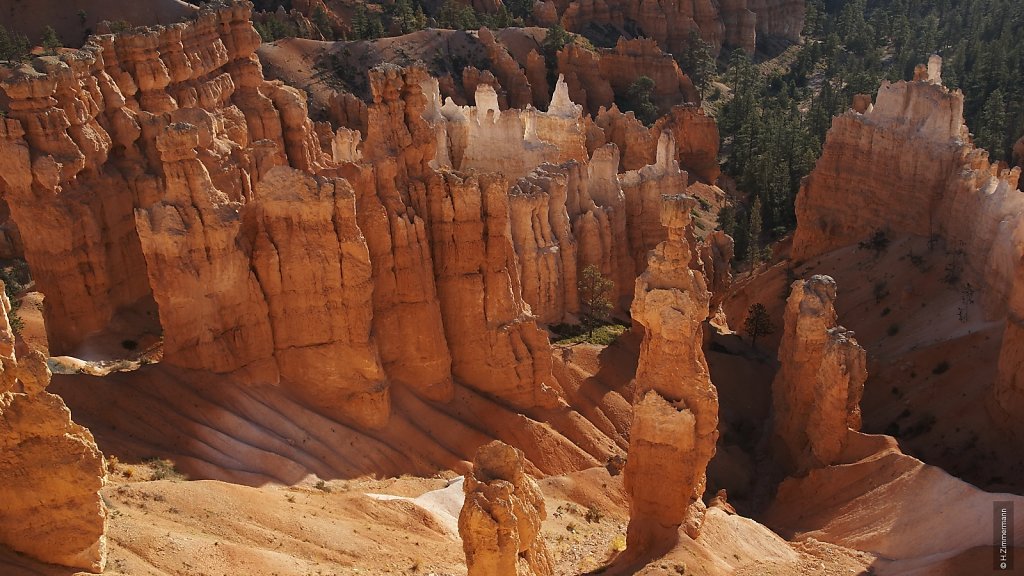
[
  {"x": 501, "y": 517},
  {"x": 817, "y": 390},
  {"x": 675, "y": 408}
]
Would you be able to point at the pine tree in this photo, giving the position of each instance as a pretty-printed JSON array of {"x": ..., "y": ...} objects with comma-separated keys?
[
  {"x": 758, "y": 323},
  {"x": 638, "y": 100},
  {"x": 595, "y": 292},
  {"x": 698, "y": 62},
  {"x": 754, "y": 251},
  {"x": 14, "y": 47},
  {"x": 992, "y": 123},
  {"x": 51, "y": 43},
  {"x": 323, "y": 23}
]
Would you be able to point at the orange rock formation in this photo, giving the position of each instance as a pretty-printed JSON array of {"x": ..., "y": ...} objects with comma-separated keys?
[
  {"x": 501, "y": 517},
  {"x": 915, "y": 170},
  {"x": 52, "y": 471},
  {"x": 817, "y": 390},
  {"x": 675, "y": 410},
  {"x": 409, "y": 257},
  {"x": 726, "y": 24}
]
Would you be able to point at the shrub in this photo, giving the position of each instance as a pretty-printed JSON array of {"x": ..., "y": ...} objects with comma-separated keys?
[
  {"x": 15, "y": 277},
  {"x": 164, "y": 469},
  {"x": 17, "y": 324},
  {"x": 119, "y": 26},
  {"x": 593, "y": 514},
  {"x": 51, "y": 43},
  {"x": 941, "y": 367},
  {"x": 881, "y": 290},
  {"x": 953, "y": 272},
  {"x": 878, "y": 242},
  {"x": 575, "y": 334}
]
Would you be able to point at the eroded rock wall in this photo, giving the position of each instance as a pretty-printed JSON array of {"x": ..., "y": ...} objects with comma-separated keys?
[
  {"x": 425, "y": 249},
  {"x": 725, "y": 24},
  {"x": 50, "y": 467},
  {"x": 907, "y": 165}
]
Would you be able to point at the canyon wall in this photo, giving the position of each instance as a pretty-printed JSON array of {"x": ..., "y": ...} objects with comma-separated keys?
[
  {"x": 725, "y": 25},
  {"x": 423, "y": 245},
  {"x": 675, "y": 408},
  {"x": 817, "y": 390},
  {"x": 907, "y": 165}
]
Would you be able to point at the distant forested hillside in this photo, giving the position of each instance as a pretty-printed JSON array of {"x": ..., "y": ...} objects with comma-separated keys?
[{"x": 774, "y": 124}]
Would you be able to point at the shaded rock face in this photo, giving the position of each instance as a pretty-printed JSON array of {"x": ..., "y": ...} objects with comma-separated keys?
[
  {"x": 695, "y": 134},
  {"x": 906, "y": 164},
  {"x": 817, "y": 390},
  {"x": 51, "y": 469},
  {"x": 726, "y": 24},
  {"x": 716, "y": 254},
  {"x": 675, "y": 410},
  {"x": 501, "y": 518}
]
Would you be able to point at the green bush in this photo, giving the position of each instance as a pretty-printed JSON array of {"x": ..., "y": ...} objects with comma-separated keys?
[{"x": 576, "y": 334}]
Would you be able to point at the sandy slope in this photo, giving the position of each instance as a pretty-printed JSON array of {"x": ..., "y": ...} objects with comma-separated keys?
[
  {"x": 215, "y": 428},
  {"x": 890, "y": 504},
  {"x": 927, "y": 367}
]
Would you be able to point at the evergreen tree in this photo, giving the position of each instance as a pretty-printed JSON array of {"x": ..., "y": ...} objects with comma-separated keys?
[
  {"x": 51, "y": 43},
  {"x": 456, "y": 16},
  {"x": 366, "y": 25},
  {"x": 323, "y": 23},
  {"x": 754, "y": 252},
  {"x": 992, "y": 121},
  {"x": 758, "y": 323},
  {"x": 638, "y": 100},
  {"x": 14, "y": 47},
  {"x": 698, "y": 63},
  {"x": 595, "y": 291}
]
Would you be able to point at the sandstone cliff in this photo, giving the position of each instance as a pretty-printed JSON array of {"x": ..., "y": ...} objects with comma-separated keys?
[
  {"x": 411, "y": 255},
  {"x": 675, "y": 410},
  {"x": 817, "y": 390},
  {"x": 501, "y": 518},
  {"x": 907, "y": 165},
  {"x": 51, "y": 469},
  {"x": 724, "y": 25},
  {"x": 944, "y": 187}
]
